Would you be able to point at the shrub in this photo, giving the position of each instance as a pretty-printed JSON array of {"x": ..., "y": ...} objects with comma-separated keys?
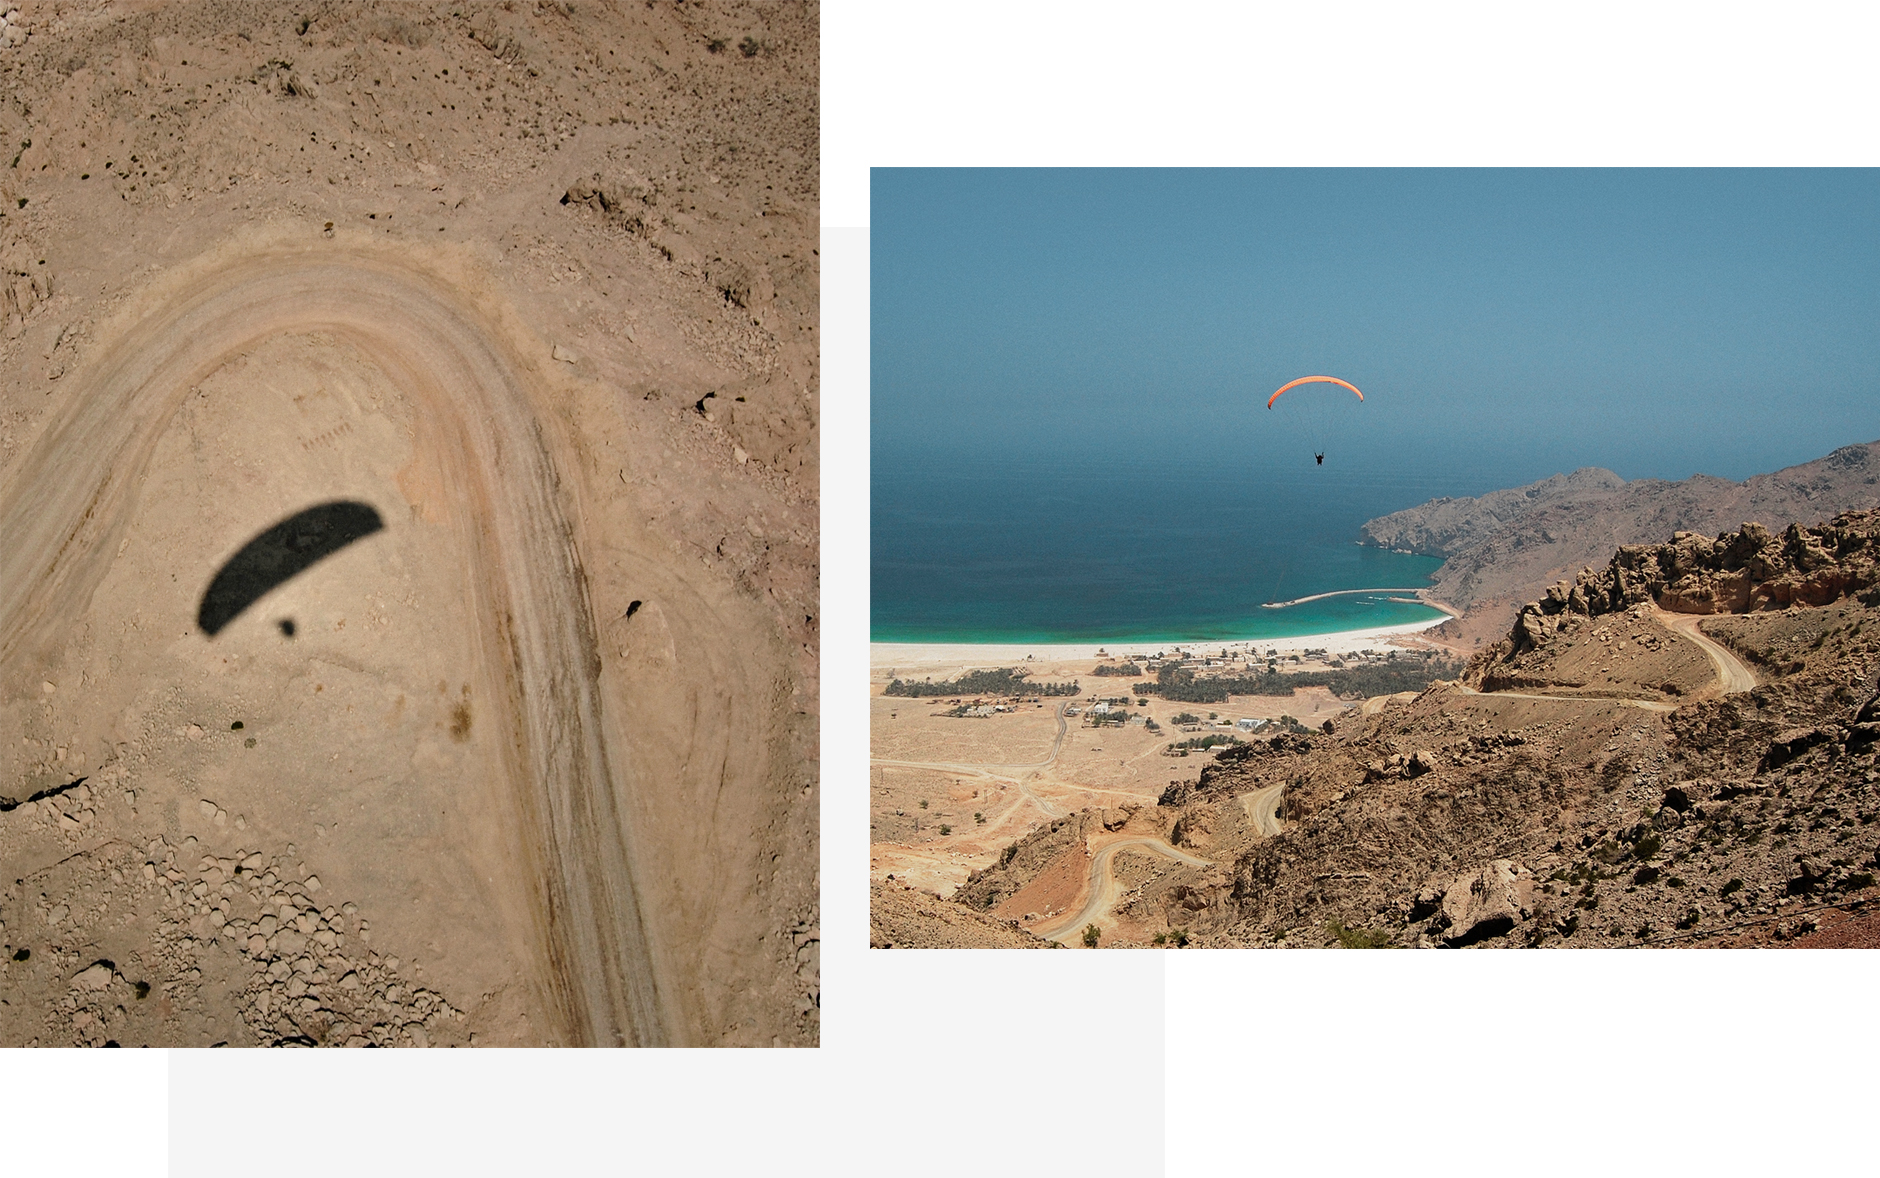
[
  {"x": 1645, "y": 875},
  {"x": 1180, "y": 937},
  {"x": 1858, "y": 880},
  {"x": 945, "y": 830},
  {"x": 1735, "y": 885},
  {"x": 1356, "y": 938},
  {"x": 1645, "y": 848},
  {"x": 1161, "y": 938},
  {"x": 1091, "y": 935},
  {"x": 1608, "y": 852}
]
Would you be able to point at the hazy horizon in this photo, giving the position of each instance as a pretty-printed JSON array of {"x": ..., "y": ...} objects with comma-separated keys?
[{"x": 1504, "y": 324}]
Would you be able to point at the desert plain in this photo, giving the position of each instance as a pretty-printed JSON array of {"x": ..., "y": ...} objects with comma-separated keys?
[{"x": 949, "y": 792}]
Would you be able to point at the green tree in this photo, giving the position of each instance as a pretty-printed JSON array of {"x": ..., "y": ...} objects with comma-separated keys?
[{"x": 1091, "y": 935}]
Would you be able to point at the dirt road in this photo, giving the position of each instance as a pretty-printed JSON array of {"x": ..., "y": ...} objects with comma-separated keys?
[
  {"x": 1649, "y": 705},
  {"x": 1101, "y": 889},
  {"x": 1377, "y": 703},
  {"x": 1732, "y": 675},
  {"x": 1262, "y": 805},
  {"x": 481, "y": 433}
]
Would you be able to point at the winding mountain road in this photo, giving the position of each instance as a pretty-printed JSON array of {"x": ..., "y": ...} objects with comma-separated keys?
[
  {"x": 1262, "y": 805},
  {"x": 1732, "y": 675},
  {"x": 1101, "y": 889}
]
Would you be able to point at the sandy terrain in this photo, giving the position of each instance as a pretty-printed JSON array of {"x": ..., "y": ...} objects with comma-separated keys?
[{"x": 534, "y": 763}]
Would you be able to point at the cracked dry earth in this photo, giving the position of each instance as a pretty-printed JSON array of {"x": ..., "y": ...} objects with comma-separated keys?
[
  {"x": 160, "y": 944},
  {"x": 531, "y": 760}
]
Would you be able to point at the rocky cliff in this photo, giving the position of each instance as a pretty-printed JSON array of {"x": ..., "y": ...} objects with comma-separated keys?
[{"x": 1737, "y": 572}]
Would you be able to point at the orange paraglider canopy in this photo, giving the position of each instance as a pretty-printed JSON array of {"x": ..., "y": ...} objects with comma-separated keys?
[{"x": 1308, "y": 380}]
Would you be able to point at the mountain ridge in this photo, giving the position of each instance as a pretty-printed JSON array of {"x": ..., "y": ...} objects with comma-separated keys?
[{"x": 1500, "y": 549}]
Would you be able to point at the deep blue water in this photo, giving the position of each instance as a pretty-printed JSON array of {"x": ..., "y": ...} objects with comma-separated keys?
[{"x": 1112, "y": 551}]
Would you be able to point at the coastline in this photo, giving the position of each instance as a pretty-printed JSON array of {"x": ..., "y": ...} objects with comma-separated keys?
[{"x": 909, "y": 655}]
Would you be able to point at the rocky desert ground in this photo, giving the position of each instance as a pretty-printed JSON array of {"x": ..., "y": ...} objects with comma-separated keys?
[{"x": 526, "y": 757}]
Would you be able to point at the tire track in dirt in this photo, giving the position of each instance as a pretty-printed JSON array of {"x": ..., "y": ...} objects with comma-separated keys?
[{"x": 66, "y": 507}]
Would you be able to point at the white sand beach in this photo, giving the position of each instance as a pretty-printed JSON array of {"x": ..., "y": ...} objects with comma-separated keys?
[{"x": 906, "y": 656}]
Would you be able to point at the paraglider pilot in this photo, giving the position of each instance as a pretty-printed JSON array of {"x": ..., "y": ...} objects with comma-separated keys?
[{"x": 1318, "y": 458}]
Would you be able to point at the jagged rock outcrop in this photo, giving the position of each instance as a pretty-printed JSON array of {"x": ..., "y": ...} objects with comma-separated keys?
[{"x": 1737, "y": 572}]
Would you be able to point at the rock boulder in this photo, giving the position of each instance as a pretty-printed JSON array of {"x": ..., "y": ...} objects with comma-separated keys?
[{"x": 1486, "y": 902}]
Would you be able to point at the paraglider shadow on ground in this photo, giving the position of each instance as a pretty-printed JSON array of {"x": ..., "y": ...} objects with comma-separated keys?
[{"x": 280, "y": 553}]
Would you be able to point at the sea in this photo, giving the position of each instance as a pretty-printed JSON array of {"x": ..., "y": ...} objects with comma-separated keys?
[{"x": 1112, "y": 551}]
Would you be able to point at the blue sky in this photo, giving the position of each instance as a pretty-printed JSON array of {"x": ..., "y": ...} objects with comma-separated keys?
[{"x": 1504, "y": 324}]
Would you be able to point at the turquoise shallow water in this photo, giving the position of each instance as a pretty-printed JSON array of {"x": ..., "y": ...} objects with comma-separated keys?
[{"x": 991, "y": 553}]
